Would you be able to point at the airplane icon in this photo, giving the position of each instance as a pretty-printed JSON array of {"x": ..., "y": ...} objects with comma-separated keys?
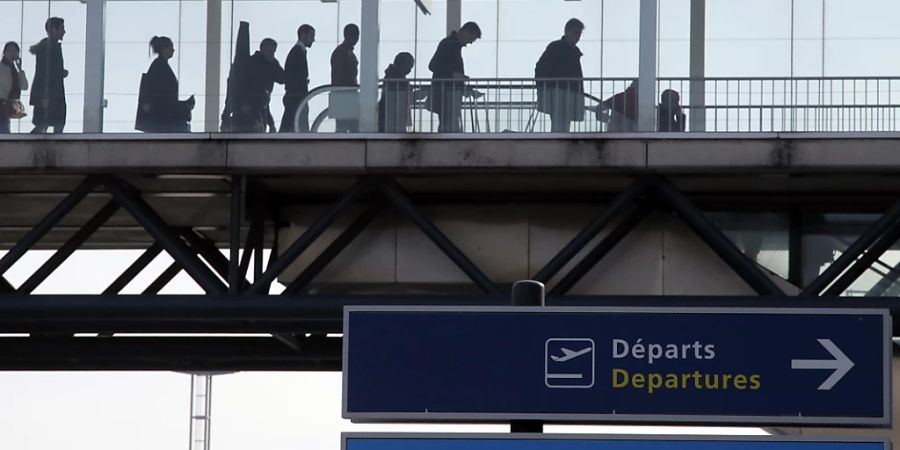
[
  {"x": 570, "y": 354},
  {"x": 569, "y": 363}
]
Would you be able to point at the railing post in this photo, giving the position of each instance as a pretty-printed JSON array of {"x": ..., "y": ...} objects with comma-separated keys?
[
  {"x": 368, "y": 74},
  {"x": 647, "y": 67}
]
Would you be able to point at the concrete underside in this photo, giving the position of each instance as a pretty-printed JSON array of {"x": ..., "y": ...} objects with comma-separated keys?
[{"x": 186, "y": 178}]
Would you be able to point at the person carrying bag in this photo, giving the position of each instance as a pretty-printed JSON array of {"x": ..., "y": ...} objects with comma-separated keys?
[{"x": 12, "y": 82}]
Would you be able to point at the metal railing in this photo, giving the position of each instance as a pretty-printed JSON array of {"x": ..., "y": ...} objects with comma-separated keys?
[{"x": 591, "y": 105}]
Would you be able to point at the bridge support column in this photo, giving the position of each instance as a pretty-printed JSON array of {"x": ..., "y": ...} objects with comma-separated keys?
[
  {"x": 697, "y": 120},
  {"x": 647, "y": 66},
  {"x": 368, "y": 74}
]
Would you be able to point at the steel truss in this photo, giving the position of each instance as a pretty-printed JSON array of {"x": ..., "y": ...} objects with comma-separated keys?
[{"x": 296, "y": 331}]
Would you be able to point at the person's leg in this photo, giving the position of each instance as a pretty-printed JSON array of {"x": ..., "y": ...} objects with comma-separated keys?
[
  {"x": 290, "y": 109},
  {"x": 303, "y": 126},
  {"x": 56, "y": 115},
  {"x": 4, "y": 123},
  {"x": 39, "y": 119}
]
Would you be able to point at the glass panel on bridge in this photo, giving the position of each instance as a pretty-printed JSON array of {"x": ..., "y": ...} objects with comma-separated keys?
[{"x": 774, "y": 66}]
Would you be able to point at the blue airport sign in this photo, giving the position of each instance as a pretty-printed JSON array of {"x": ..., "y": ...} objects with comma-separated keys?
[
  {"x": 496, "y": 441},
  {"x": 776, "y": 366}
]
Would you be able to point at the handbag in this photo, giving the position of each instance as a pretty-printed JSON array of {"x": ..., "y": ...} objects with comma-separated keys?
[{"x": 14, "y": 109}]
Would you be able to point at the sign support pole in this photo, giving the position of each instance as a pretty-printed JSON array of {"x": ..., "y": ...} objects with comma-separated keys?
[{"x": 527, "y": 293}]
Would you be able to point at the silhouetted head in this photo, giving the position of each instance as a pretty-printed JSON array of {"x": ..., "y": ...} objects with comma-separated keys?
[
  {"x": 56, "y": 28},
  {"x": 669, "y": 98},
  {"x": 306, "y": 34},
  {"x": 11, "y": 51},
  {"x": 351, "y": 34},
  {"x": 162, "y": 46},
  {"x": 573, "y": 30},
  {"x": 469, "y": 33},
  {"x": 404, "y": 62},
  {"x": 267, "y": 47}
]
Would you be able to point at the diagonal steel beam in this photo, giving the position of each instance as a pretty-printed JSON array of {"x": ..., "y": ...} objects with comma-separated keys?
[
  {"x": 715, "y": 239},
  {"x": 273, "y": 253},
  {"x": 170, "y": 241},
  {"x": 69, "y": 247},
  {"x": 307, "y": 238},
  {"x": 163, "y": 279},
  {"x": 207, "y": 249},
  {"x": 865, "y": 261},
  {"x": 399, "y": 200},
  {"x": 606, "y": 245},
  {"x": 854, "y": 251},
  {"x": 254, "y": 234},
  {"x": 334, "y": 248},
  {"x": 590, "y": 231},
  {"x": 47, "y": 223},
  {"x": 134, "y": 269},
  {"x": 6, "y": 287}
]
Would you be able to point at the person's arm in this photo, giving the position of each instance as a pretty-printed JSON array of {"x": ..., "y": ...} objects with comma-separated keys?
[{"x": 278, "y": 73}]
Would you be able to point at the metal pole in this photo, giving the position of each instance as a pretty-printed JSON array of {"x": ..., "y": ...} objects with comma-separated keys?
[
  {"x": 368, "y": 82},
  {"x": 698, "y": 66},
  {"x": 212, "y": 104},
  {"x": 647, "y": 66},
  {"x": 94, "y": 52},
  {"x": 454, "y": 15},
  {"x": 527, "y": 293}
]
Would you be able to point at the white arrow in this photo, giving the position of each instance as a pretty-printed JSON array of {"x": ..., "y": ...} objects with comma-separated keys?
[{"x": 841, "y": 364}]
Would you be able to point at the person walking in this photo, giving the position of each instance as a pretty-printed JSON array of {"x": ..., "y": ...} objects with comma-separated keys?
[
  {"x": 448, "y": 76},
  {"x": 12, "y": 82},
  {"x": 253, "y": 90},
  {"x": 396, "y": 96},
  {"x": 344, "y": 72},
  {"x": 48, "y": 94},
  {"x": 560, "y": 89},
  {"x": 296, "y": 81},
  {"x": 159, "y": 110}
]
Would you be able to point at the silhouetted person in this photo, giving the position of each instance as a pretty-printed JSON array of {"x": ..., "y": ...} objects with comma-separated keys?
[
  {"x": 236, "y": 73},
  {"x": 561, "y": 95},
  {"x": 296, "y": 81},
  {"x": 12, "y": 82},
  {"x": 623, "y": 109},
  {"x": 159, "y": 110},
  {"x": 344, "y": 72},
  {"x": 448, "y": 76},
  {"x": 253, "y": 90},
  {"x": 670, "y": 115},
  {"x": 396, "y": 96},
  {"x": 48, "y": 93}
]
